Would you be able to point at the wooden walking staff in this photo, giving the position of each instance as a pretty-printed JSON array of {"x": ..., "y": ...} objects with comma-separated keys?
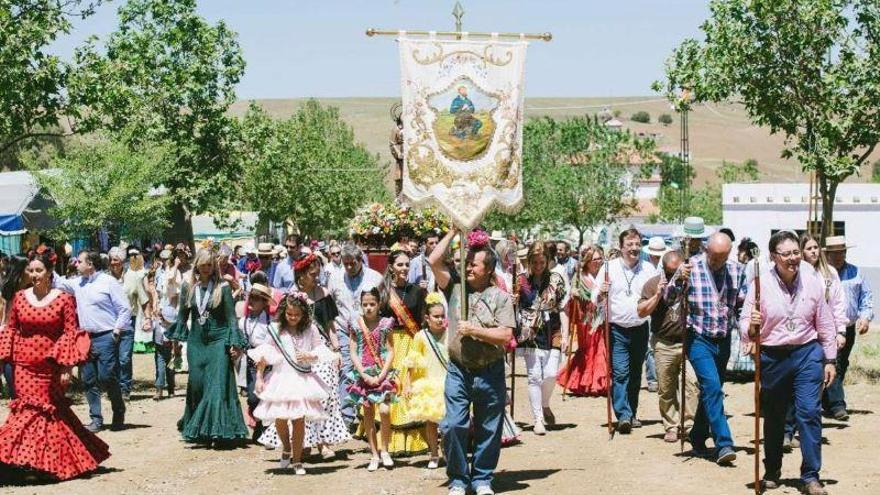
[
  {"x": 514, "y": 288},
  {"x": 608, "y": 348},
  {"x": 685, "y": 308},
  {"x": 757, "y": 358}
]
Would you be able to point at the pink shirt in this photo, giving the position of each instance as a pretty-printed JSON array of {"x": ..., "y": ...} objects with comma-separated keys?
[{"x": 811, "y": 317}]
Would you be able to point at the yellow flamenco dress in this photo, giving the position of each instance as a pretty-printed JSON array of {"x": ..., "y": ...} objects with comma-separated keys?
[{"x": 427, "y": 375}]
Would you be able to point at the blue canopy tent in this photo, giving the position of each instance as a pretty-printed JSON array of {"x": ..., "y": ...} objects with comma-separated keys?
[{"x": 22, "y": 209}]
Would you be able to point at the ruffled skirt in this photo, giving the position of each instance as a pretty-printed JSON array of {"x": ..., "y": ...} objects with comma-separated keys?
[
  {"x": 42, "y": 433},
  {"x": 289, "y": 394},
  {"x": 427, "y": 402}
]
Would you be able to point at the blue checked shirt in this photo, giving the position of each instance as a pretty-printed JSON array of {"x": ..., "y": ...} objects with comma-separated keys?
[
  {"x": 711, "y": 310},
  {"x": 859, "y": 299}
]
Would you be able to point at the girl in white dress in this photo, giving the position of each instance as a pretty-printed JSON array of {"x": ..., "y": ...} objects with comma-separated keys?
[{"x": 291, "y": 392}]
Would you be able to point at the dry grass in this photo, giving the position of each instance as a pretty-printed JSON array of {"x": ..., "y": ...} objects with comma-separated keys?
[
  {"x": 865, "y": 359},
  {"x": 717, "y": 132}
]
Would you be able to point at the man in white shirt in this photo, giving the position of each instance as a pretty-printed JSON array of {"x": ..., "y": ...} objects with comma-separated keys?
[
  {"x": 346, "y": 288},
  {"x": 629, "y": 332},
  {"x": 419, "y": 268}
]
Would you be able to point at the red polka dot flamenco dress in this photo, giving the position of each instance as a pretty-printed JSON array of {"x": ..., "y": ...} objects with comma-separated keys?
[{"x": 41, "y": 432}]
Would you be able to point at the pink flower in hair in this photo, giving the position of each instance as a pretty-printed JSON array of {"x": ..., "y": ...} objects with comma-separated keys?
[{"x": 477, "y": 239}]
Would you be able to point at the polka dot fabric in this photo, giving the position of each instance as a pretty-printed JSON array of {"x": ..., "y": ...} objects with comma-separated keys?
[{"x": 41, "y": 432}]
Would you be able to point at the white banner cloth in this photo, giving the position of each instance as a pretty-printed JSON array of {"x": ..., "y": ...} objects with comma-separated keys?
[{"x": 462, "y": 125}]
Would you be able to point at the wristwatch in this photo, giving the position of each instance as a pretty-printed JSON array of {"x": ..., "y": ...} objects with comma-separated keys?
[{"x": 831, "y": 361}]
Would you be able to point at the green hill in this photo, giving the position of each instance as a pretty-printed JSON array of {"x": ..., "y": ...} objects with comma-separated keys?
[{"x": 717, "y": 132}]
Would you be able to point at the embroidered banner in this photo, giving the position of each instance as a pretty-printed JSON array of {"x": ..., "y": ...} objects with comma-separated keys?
[{"x": 462, "y": 125}]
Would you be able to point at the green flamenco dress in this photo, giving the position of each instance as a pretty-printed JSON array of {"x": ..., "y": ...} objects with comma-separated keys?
[{"x": 213, "y": 411}]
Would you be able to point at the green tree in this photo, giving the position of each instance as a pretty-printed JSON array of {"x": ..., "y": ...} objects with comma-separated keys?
[
  {"x": 732, "y": 172},
  {"x": 641, "y": 116},
  {"x": 803, "y": 68},
  {"x": 875, "y": 172},
  {"x": 167, "y": 74},
  {"x": 307, "y": 169},
  {"x": 665, "y": 119},
  {"x": 33, "y": 81},
  {"x": 576, "y": 174},
  {"x": 104, "y": 184}
]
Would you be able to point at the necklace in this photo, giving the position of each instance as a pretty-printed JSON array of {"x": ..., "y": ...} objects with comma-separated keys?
[
  {"x": 629, "y": 281},
  {"x": 793, "y": 301},
  {"x": 202, "y": 299}
]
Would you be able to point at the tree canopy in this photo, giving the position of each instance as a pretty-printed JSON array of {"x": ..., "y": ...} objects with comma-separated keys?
[
  {"x": 102, "y": 184},
  {"x": 803, "y": 68},
  {"x": 577, "y": 174},
  {"x": 307, "y": 169}
]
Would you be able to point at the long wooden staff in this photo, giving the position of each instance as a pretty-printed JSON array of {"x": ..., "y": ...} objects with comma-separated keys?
[
  {"x": 685, "y": 308},
  {"x": 512, "y": 259},
  {"x": 608, "y": 350},
  {"x": 757, "y": 380}
]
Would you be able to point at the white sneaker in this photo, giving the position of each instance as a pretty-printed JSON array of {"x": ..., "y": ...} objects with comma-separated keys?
[
  {"x": 299, "y": 469},
  {"x": 434, "y": 463},
  {"x": 457, "y": 490},
  {"x": 539, "y": 428},
  {"x": 485, "y": 490},
  {"x": 374, "y": 464},
  {"x": 386, "y": 459}
]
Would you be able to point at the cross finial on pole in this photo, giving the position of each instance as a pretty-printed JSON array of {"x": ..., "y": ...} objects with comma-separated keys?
[{"x": 458, "y": 13}]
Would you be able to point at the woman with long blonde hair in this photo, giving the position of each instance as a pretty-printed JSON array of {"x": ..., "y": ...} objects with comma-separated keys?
[{"x": 213, "y": 413}]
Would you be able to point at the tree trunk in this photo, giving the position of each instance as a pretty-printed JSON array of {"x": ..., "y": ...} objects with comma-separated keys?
[
  {"x": 580, "y": 239},
  {"x": 181, "y": 229},
  {"x": 828, "y": 190}
]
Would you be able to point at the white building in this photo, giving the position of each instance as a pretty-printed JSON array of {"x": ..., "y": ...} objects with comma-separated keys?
[{"x": 758, "y": 210}]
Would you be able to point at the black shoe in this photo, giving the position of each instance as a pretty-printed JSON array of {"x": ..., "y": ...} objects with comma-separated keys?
[
  {"x": 94, "y": 427},
  {"x": 126, "y": 396},
  {"x": 636, "y": 423},
  {"x": 118, "y": 422},
  {"x": 652, "y": 387},
  {"x": 840, "y": 415},
  {"x": 725, "y": 456},
  {"x": 786, "y": 444},
  {"x": 624, "y": 426}
]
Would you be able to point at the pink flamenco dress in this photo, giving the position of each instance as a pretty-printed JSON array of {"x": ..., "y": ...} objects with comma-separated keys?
[
  {"x": 41, "y": 432},
  {"x": 288, "y": 392}
]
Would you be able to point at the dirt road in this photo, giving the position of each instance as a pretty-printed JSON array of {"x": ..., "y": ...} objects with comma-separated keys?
[{"x": 575, "y": 458}]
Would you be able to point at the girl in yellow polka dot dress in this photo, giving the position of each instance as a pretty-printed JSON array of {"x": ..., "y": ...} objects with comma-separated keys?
[{"x": 426, "y": 363}]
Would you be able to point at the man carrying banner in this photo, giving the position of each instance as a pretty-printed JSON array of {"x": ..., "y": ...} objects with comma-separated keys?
[{"x": 476, "y": 368}]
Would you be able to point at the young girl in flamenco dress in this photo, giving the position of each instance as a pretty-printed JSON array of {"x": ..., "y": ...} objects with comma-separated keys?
[
  {"x": 291, "y": 392},
  {"x": 372, "y": 384},
  {"x": 427, "y": 362}
]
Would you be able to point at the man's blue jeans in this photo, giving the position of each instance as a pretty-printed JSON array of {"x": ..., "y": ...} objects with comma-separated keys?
[
  {"x": 628, "y": 348},
  {"x": 346, "y": 407},
  {"x": 709, "y": 356},
  {"x": 125, "y": 369},
  {"x": 10, "y": 380},
  {"x": 784, "y": 373},
  {"x": 485, "y": 390},
  {"x": 834, "y": 398},
  {"x": 100, "y": 372},
  {"x": 164, "y": 372}
]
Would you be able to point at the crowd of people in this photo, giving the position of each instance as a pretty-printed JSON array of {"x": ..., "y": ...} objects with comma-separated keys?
[{"x": 323, "y": 348}]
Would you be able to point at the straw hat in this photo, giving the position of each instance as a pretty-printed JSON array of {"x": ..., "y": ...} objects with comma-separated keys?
[
  {"x": 656, "y": 247},
  {"x": 265, "y": 249},
  {"x": 837, "y": 243},
  {"x": 261, "y": 291},
  {"x": 695, "y": 228}
]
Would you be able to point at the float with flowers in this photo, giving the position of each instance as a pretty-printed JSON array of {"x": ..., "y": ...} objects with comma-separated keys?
[{"x": 379, "y": 225}]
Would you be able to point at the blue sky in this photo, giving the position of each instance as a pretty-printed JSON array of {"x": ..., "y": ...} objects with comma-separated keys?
[{"x": 299, "y": 48}]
